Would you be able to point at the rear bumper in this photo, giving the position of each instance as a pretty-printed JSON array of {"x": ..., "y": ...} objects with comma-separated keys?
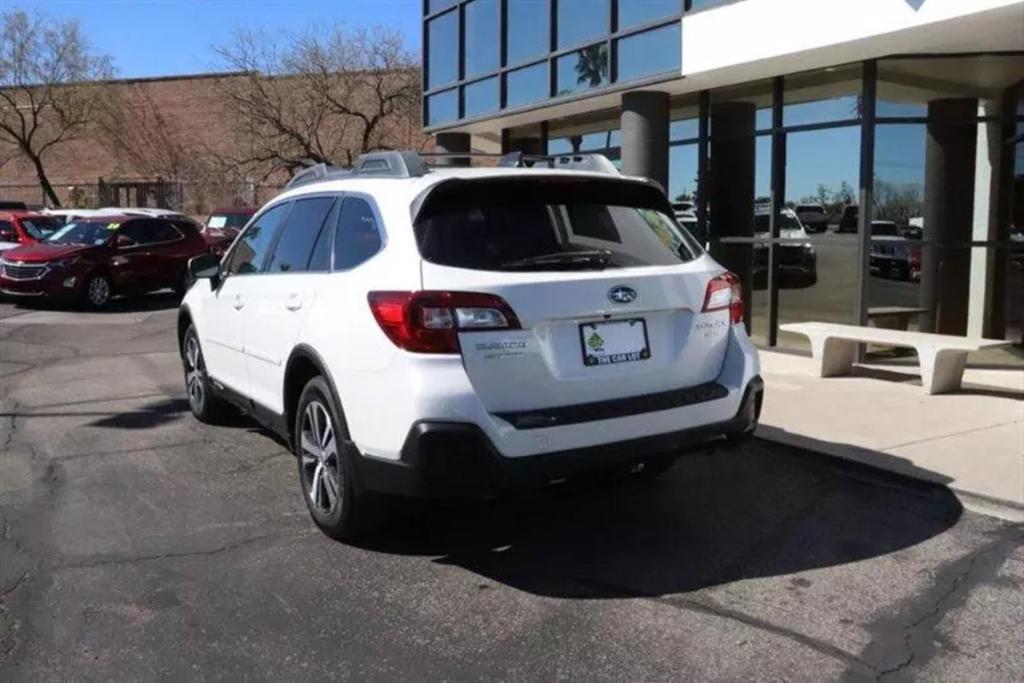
[{"x": 454, "y": 459}]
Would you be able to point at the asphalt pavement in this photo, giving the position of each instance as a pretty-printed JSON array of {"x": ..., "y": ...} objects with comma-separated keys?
[{"x": 138, "y": 544}]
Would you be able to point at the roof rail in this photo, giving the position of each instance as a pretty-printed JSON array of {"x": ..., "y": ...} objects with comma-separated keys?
[
  {"x": 597, "y": 163},
  {"x": 379, "y": 164},
  {"x": 315, "y": 173},
  {"x": 406, "y": 164}
]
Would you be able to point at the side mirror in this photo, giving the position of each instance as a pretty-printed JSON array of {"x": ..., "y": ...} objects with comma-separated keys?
[
  {"x": 123, "y": 242},
  {"x": 205, "y": 266}
]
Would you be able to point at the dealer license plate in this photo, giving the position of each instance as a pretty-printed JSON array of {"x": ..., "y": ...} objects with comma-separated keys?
[{"x": 614, "y": 341}]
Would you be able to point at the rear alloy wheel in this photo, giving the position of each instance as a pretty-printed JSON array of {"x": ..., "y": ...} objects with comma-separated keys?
[
  {"x": 326, "y": 471},
  {"x": 202, "y": 402},
  {"x": 98, "y": 291}
]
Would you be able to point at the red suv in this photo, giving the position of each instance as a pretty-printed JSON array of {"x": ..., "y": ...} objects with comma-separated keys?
[
  {"x": 24, "y": 227},
  {"x": 94, "y": 259}
]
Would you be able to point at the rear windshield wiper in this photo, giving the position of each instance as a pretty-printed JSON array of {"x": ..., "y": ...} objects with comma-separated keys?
[{"x": 597, "y": 259}]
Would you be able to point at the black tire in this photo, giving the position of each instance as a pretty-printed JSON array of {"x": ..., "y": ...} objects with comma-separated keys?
[
  {"x": 326, "y": 468},
  {"x": 656, "y": 465},
  {"x": 98, "y": 292},
  {"x": 206, "y": 406}
]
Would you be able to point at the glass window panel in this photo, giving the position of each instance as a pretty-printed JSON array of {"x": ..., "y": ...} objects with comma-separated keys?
[
  {"x": 607, "y": 142},
  {"x": 527, "y": 85},
  {"x": 481, "y": 97},
  {"x": 685, "y": 129},
  {"x": 762, "y": 190},
  {"x": 482, "y": 37},
  {"x": 818, "y": 270},
  {"x": 650, "y": 52},
  {"x": 822, "y": 96},
  {"x": 701, "y": 4},
  {"x": 528, "y": 29},
  {"x": 438, "y": 5},
  {"x": 443, "y": 57},
  {"x": 582, "y": 20},
  {"x": 682, "y": 175},
  {"x": 898, "y": 197},
  {"x": 583, "y": 70},
  {"x": 633, "y": 12},
  {"x": 442, "y": 107}
]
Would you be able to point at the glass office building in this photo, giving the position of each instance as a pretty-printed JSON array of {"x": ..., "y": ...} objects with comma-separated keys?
[{"x": 847, "y": 164}]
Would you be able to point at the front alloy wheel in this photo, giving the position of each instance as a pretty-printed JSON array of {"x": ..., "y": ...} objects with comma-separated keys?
[
  {"x": 98, "y": 291},
  {"x": 206, "y": 406}
]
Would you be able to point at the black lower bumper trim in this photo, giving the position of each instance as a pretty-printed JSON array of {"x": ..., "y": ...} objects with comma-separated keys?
[
  {"x": 620, "y": 407},
  {"x": 454, "y": 459}
]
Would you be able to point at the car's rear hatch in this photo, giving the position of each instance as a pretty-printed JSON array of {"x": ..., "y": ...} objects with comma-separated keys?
[{"x": 607, "y": 289}]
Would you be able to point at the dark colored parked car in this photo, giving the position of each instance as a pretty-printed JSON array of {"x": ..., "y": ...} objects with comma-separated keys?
[
  {"x": 813, "y": 216},
  {"x": 848, "y": 221},
  {"x": 223, "y": 225},
  {"x": 22, "y": 227},
  {"x": 92, "y": 260}
]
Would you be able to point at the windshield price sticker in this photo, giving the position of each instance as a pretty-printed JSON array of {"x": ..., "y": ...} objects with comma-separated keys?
[{"x": 113, "y": 226}]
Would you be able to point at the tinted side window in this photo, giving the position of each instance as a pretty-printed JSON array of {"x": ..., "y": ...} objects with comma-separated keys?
[
  {"x": 7, "y": 232},
  {"x": 251, "y": 248},
  {"x": 357, "y": 236},
  {"x": 320, "y": 261},
  {"x": 301, "y": 229},
  {"x": 164, "y": 231},
  {"x": 185, "y": 226},
  {"x": 140, "y": 231}
]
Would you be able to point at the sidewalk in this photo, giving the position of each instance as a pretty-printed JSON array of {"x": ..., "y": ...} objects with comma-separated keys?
[{"x": 972, "y": 441}]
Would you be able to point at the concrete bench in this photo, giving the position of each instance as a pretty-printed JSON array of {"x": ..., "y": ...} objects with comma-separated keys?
[
  {"x": 942, "y": 357},
  {"x": 893, "y": 317}
]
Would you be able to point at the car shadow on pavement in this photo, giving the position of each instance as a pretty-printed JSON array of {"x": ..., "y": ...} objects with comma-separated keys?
[
  {"x": 149, "y": 416},
  {"x": 761, "y": 510},
  {"x": 148, "y": 303}
]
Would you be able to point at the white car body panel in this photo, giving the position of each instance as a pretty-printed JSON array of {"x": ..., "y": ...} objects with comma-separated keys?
[{"x": 385, "y": 391}]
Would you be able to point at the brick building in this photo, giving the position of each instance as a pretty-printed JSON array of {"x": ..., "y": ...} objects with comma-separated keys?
[{"x": 92, "y": 170}]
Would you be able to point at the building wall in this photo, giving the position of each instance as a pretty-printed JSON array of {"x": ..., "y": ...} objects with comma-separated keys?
[{"x": 194, "y": 110}]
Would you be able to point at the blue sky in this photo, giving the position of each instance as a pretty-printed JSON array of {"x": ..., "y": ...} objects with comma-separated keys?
[{"x": 169, "y": 37}]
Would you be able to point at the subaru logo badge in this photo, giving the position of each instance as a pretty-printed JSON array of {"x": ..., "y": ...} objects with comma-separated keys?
[{"x": 622, "y": 295}]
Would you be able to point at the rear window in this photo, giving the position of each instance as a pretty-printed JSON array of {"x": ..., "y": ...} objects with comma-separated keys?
[
  {"x": 534, "y": 224},
  {"x": 884, "y": 230},
  {"x": 234, "y": 221}
]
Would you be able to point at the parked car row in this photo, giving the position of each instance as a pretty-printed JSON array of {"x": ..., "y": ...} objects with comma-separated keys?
[{"x": 88, "y": 256}]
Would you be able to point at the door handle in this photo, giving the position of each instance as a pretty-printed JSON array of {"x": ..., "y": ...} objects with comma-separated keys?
[
  {"x": 239, "y": 303},
  {"x": 294, "y": 302}
]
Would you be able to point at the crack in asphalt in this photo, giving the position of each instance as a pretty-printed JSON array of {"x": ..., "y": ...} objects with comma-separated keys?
[
  {"x": 102, "y": 561},
  {"x": 911, "y": 630},
  {"x": 711, "y": 608}
]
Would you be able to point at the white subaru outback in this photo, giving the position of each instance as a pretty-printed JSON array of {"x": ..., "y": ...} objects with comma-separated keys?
[{"x": 459, "y": 331}]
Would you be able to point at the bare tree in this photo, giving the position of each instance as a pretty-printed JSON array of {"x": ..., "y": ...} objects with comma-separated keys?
[
  {"x": 45, "y": 97},
  {"x": 321, "y": 97}
]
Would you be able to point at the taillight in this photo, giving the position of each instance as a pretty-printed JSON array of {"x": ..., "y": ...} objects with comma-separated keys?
[
  {"x": 725, "y": 292},
  {"x": 430, "y": 322}
]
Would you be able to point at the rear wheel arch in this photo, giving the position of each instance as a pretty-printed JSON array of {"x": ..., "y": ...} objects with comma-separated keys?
[{"x": 304, "y": 364}]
